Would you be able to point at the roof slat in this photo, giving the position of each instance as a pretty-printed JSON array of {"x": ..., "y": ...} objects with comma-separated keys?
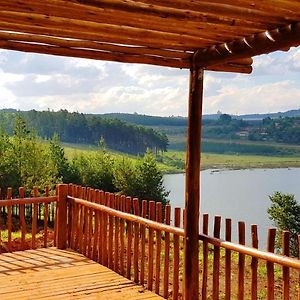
[
  {"x": 91, "y": 54},
  {"x": 86, "y": 44},
  {"x": 148, "y": 37},
  {"x": 261, "y": 43},
  {"x": 112, "y": 16},
  {"x": 223, "y": 33}
]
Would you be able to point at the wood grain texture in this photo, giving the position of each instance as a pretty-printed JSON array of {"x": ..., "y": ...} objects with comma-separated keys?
[
  {"x": 254, "y": 262},
  {"x": 270, "y": 265},
  {"x": 63, "y": 274},
  {"x": 157, "y": 32},
  {"x": 241, "y": 261},
  {"x": 192, "y": 183}
]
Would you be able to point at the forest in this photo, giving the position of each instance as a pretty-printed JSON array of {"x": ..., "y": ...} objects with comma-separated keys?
[
  {"x": 27, "y": 160},
  {"x": 88, "y": 129}
]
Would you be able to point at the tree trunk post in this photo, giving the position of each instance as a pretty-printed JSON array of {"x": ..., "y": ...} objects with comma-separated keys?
[
  {"x": 62, "y": 193},
  {"x": 192, "y": 187}
]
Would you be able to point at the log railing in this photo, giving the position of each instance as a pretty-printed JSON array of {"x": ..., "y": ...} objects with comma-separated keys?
[
  {"x": 27, "y": 222},
  {"x": 136, "y": 240},
  {"x": 140, "y": 241},
  {"x": 128, "y": 237}
]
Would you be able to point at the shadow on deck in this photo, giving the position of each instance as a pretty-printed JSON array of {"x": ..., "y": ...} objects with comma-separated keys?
[{"x": 62, "y": 274}]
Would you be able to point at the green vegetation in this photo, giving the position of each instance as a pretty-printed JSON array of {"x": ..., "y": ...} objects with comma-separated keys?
[
  {"x": 28, "y": 161},
  {"x": 176, "y": 159},
  {"x": 88, "y": 129},
  {"x": 285, "y": 213},
  {"x": 24, "y": 160}
]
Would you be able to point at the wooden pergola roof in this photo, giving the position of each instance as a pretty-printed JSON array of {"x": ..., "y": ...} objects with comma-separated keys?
[{"x": 220, "y": 35}]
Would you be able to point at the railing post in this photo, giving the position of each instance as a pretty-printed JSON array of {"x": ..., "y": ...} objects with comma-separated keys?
[{"x": 62, "y": 193}]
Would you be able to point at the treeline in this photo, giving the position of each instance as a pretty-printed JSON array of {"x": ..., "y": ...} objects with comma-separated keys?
[
  {"x": 89, "y": 129},
  {"x": 281, "y": 130},
  {"x": 147, "y": 120},
  {"x": 28, "y": 161}
]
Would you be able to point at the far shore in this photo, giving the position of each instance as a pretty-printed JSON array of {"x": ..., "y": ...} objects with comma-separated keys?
[{"x": 231, "y": 162}]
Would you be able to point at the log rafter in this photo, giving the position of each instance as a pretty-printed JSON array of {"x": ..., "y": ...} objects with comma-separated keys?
[
  {"x": 262, "y": 43},
  {"x": 217, "y": 35}
]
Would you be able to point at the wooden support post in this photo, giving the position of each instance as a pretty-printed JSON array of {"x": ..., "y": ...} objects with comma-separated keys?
[
  {"x": 62, "y": 193},
  {"x": 192, "y": 191}
]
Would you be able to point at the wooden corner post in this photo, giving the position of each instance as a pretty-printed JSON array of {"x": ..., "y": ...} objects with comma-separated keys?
[
  {"x": 62, "y": 193},
  {"x": 192, "y": 186}
]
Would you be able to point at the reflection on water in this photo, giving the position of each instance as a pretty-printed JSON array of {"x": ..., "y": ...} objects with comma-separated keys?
[{"x": 241, "y": 195}]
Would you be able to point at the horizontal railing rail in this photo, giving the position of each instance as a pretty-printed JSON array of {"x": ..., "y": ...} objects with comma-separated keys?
[
  {"x": 27, "y": 222},
  {"x": 129, "y": 217},
  {"x": 260, "y": 254},
  {"x": 33, "y": 200}
]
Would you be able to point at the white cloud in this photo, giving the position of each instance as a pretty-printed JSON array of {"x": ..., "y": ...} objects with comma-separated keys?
[
  {"x": 30, "y": 81},
  {"x": 269, "y": 97}
]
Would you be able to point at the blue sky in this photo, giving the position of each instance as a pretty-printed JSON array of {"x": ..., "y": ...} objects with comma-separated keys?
[{"x": 33, "y": 81}]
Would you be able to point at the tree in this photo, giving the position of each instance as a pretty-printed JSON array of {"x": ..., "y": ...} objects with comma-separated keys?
[
  {"x": 150, "y": 180},
  {"x": 225, "y": 119},
  {"x": 285, "y": 213},
  {"x": 66, "y": 171},
  {"x": 96, "y": 170},
  {"x": 125, "y": 177}
]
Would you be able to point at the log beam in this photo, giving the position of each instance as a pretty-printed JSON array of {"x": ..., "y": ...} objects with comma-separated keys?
[
  {"x": 261, "y": 43},
  {"x": 192, "y": 190}
]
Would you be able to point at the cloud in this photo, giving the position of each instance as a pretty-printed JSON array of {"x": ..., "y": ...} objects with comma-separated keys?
[
  {"x": 30, "y": 81},
  {"x": 269, "y": 97}
]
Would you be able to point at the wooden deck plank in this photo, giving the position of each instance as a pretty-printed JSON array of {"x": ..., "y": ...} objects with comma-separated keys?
[{"x": 62, "y": 274}]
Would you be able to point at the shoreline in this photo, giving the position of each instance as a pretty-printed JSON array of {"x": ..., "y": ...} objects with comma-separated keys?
[{"x": 235, "y": 168}]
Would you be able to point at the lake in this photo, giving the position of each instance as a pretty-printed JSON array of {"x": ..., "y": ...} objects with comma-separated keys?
[{"x": 241, "y": 195}]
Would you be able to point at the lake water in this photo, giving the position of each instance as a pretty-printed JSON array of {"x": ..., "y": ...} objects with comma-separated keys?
[{"x": 241, "y": 195}]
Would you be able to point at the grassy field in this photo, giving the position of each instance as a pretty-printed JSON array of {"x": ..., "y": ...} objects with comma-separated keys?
[
  {"x": 71, "y": 150},
  {"x": 219, "y": 161},
  {"x": 174, "y": 161}
]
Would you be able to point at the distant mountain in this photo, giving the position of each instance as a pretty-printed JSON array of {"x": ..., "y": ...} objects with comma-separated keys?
[
  {"x": 289, "y": 113},
  {"x": 148, "y": 120}
]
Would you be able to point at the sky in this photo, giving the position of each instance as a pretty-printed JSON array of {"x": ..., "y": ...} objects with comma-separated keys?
[{"x": 41, "y": 82}]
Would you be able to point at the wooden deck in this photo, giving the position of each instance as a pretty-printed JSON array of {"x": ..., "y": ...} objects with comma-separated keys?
[{"x": 62, "y": 274}]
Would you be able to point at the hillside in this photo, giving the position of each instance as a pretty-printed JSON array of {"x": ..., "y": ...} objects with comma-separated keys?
[
  {"x": 134, "y": 133},
  {"x": 148, "y": 120},
  {"x": 88, "y": 129}
]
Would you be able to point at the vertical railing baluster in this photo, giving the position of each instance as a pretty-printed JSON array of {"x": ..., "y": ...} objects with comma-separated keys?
[
  {"x": 22, "y": 218},
  {"x": 129, "y": 238},
  {"x": 117, "y": 234},
  {"x": 96, "y": 245},
  {"x": 136, "y": 242},
  {"x": 204, "y": 257},
  {"x": 176, "y": 246},
  {"x": 254, "y": 263},
  {"x": 228, "y": 229},
  {"x": 241, "y": 263},
  {"x": 143, "y": 242},
  {"x": 167, "y": 252},
  {"x": 111, "y": 233},
  {"x": 9, "y": 220},
  {"x": 34, "y": 219},
  {"x": 216, "y": 261},
  {"x": 46, "y": 212},
  {"x": 122, "y": 232},
  {"x": 150, "y": 246},
  {"x": 158, "y": 247},
  {"x": 270, "y": 265},
  {"x": 286, "y": 270}
]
